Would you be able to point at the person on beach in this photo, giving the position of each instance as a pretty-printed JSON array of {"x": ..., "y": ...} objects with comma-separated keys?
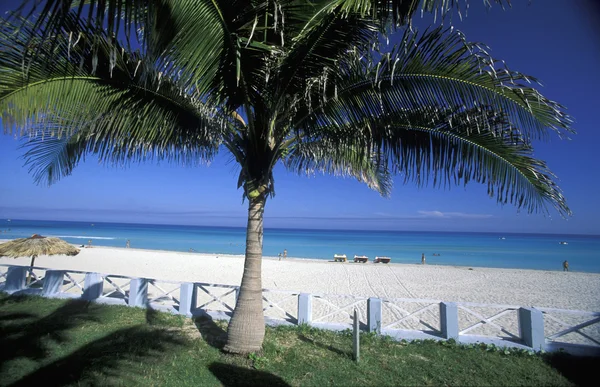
[
  {"x": 127, "y": 245},
  {"x": 284, "y": 254},
  {"x": 423, "y": 259},
  {"x": 90, "y": 243},
  {"x": 280, "y": 256},
  {"x": 566, "y": 265}
]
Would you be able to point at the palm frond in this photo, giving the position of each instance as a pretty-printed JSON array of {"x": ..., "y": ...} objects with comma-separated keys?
[
  {"x": 100, "y": 98},
  {"x": 399, "y": 12},
  {"x": 325, "y": 156},
  {"x": 438, "y": 68},
  {"x": 453, "y": 148},
  {"x": 315, "y": 54},
  {"x": 51, "y": 158}
]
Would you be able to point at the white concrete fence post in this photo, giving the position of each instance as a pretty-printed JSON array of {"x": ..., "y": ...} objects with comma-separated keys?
[
  {"x": 449, "y": 320},
  {"x": 138, "y": 292},
  {"x": 531, "y": 328},
  {"x": 374, "y": 315},
  {"x": 15, "y": 279},
  {"x": 187, "y": 298},
  {"x": 53, "y": 281},
  {"x": 304, "y": 308},
  {"x": 92, "y": 286}
]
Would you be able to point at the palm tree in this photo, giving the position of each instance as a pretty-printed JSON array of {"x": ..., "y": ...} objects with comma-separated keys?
[{"x": 307, "y": 84}]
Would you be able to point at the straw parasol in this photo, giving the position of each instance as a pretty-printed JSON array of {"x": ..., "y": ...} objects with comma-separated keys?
[{"x": 34, "y": 246}]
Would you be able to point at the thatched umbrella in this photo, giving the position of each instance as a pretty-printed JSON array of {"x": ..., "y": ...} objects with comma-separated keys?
[{"x": 34, "y": 246}]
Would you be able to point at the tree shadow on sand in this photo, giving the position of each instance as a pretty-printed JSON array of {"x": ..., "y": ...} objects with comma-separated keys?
[{"x": 233, "y": 376}]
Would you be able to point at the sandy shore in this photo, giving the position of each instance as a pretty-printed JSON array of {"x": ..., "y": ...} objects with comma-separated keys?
[{"x": 567, "y": 290}]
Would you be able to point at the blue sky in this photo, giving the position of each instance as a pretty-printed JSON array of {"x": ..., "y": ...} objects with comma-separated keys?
[{"x": 557, "y": 41}]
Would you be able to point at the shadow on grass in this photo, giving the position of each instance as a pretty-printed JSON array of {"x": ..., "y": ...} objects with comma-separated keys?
[
  {"x": 108, "y": 357},
  {"x": 152, "y": 316},
  {"x": 212, "y": 334},
  {"x": 581, "y": 370},
  {"x": 6, "y": 299},
  {"x": 30, "y": 339},
  {"x": 325, "y": 346},
  {"x": 16, "y": 316},
  {"x": 232, "y": 376}
]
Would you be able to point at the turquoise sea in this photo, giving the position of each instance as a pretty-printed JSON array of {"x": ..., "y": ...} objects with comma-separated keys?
[{"x": 522, "y": 251}]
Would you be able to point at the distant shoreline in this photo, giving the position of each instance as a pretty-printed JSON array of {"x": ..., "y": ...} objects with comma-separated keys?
[
  {"x": 202, "y": 255},
  {"x": 447, "y": 249}
]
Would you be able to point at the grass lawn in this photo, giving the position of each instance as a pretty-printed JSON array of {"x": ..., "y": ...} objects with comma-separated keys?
[{"x": 60, "y": 342}]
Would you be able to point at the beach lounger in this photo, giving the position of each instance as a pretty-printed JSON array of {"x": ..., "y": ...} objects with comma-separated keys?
[
  {"x": 382, "y": 259},
  {"x": 340, "y": 258},
  {"x": 361, "y": 258}
]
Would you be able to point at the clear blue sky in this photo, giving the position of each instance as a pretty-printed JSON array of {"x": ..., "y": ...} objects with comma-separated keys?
[{"x": 557, "y": 41}]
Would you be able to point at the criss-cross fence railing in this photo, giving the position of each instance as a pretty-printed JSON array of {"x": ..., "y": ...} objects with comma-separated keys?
[
  {"x": 164, "y": 295},
  {"x": 115, "y": 287},
  {"x": 501, "y": 321},
  {"x": 281, "y": 305},
  {"x": 337, "y": 310},
  {"x": 571, "y": 326},
  {"x": 411, "y": 314},
  {"x": 537, "y": 328}
]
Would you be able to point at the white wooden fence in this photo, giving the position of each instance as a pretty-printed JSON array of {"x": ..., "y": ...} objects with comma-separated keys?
[{"x": 534, "y": 328}]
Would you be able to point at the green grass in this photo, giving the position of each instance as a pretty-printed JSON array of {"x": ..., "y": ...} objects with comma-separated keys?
[{"x": 61, "y": 342}]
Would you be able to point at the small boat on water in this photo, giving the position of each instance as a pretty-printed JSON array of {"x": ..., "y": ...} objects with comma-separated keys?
[{"x": 563, "y": 243}]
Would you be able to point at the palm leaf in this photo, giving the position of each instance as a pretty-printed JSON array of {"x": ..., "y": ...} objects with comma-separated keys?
[
  {"x": 99, "y": 98},
  {"x": 452, "y": 148},
  {"x": 323, "y": 155},
  {"x": 438, "y": 68},
  {"x": 313, "y": 54}
]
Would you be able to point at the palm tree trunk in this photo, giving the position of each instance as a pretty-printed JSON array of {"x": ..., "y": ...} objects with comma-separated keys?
[{"x": 246, "y": 329}]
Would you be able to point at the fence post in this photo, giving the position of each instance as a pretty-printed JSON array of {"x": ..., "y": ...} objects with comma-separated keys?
[
  {"x": 187, "y": 298},
  {"x": 138, "y": 292},
  {"x": 304, "y": 308},
  {"x": 15, "y": 279},
  {"x": 356, "y": 336},
  {"x": 237, "y": 294},
  {"x": 53, "y": 281},
  {"x": 531, "y": 328},
  {"x": 93, "y": 286},
  {"x": 374, "y": 315},
  {"x": 449, "y": 320}
]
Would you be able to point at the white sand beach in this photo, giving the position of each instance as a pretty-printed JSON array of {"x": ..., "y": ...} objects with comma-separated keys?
[{"x": 557, "y": 289}]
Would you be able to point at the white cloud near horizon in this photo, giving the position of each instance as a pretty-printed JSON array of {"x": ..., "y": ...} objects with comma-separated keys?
[{"x": 450, "y": 215}]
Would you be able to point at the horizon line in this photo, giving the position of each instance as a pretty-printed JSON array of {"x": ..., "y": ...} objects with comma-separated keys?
[{"x": 307, "y": 229}]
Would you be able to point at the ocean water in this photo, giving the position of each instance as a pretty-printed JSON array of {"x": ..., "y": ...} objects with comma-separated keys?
[{"x": 520, "y": 251}]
